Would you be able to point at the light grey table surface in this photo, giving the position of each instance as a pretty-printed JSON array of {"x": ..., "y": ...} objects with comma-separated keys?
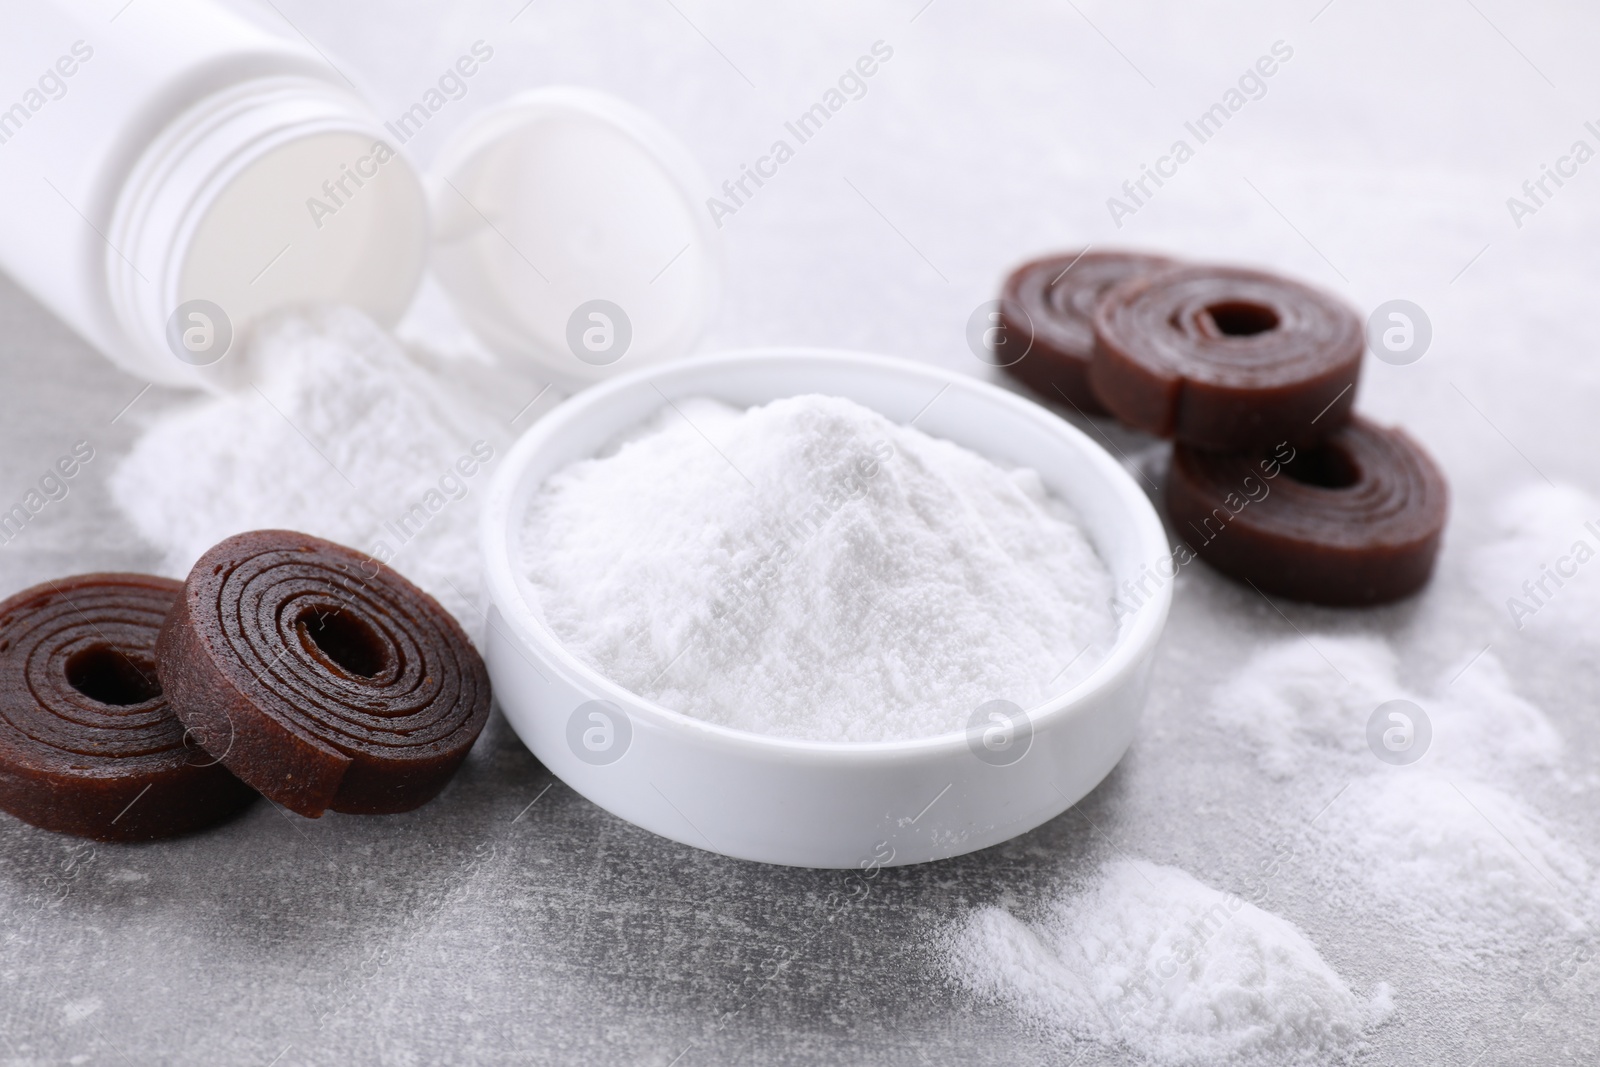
[{"x": 512, "y": 920}]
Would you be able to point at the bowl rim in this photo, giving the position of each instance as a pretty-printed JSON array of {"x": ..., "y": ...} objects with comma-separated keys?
[{"x": 1130, "y": 651}]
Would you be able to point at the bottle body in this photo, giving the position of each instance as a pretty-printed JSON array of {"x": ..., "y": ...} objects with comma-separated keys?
[{"x": 177, "y": 156}]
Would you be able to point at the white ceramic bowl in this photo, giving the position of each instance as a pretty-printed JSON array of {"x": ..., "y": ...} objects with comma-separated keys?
[{"x": 821, "y": 803}]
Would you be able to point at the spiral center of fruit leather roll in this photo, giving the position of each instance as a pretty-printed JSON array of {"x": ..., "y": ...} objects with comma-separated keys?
[
  {"x": 1237, "y": 329},
  {"x": 1226, "y": 358},
  {"x": 321, "y": 677},
  {"x": 88, "y": 742}
]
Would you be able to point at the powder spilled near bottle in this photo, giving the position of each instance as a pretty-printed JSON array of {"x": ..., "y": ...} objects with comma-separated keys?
[{"x": 341, "y": 435}]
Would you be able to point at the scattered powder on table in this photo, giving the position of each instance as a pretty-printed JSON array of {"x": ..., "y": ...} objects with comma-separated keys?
[
  {"x": 1466, "y": 868},
  {"x": 811, "y": 569},
  {"x": 342, "y": 436},
  {"x": 1442, "y": 849},
  {"x": 1441, "y": 853},
  {"x": 1150, "y": 958},
  {"x": 1540, "y": 570},
  {"x": 1303, "y": 704}
]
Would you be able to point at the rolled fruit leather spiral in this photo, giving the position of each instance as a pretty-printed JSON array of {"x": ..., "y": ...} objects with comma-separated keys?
[
  {"x": 321, "y": 677},
  {"x": 1225, "y": 358},
  {"x": 1356, "y": 519},
  {"x": 89, "y": 744}
]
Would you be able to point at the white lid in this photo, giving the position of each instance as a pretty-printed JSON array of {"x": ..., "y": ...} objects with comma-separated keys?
[{"x": 557, "y": 208}]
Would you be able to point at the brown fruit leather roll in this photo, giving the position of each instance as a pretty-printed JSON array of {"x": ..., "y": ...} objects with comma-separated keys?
[
  {"x": 321, "y": 677},
  {"x": 1224, "y": 358},
  {"x": 1354, "y": 520},
  {"x": 88, "y": 741},
  {"x": 1053, "y": 300}
]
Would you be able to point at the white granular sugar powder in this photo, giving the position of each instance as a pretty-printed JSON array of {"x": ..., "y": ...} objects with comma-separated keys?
[
  {"x": 810, "y": 569},
  {"x": 1471, "y": 870},
  {"x": 1445, "y": 848},
  {"x": 1303, "y": 704},
  {"x": 1149, "y": 958},
  {"x": 1540, "y": 571},
  {"x": 341, "y": 436}
]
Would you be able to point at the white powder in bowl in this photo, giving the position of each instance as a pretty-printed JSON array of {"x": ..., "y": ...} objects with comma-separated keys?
[
  {"x": 811, "y": 569},
  {"x": 1150, "y": 958}
]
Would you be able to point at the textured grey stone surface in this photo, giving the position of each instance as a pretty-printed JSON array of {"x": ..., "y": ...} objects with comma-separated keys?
[{"x": 511, "y": 920}]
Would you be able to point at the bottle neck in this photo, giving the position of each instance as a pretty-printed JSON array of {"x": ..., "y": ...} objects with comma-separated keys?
[{"x": 222, "y": 182}]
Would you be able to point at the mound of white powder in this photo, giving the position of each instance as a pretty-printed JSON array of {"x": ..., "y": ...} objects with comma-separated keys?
[
  {"x": 1542, "y": 569},
  {"x": 1469, "y": 868},
  {"x": 1441, "y": 848},
  {"x": 1303, "y": 704},
  {"x": 1152, "y": 959},
  {"x": 810, "y": 569},
  {"x": 341, "y": 436}
]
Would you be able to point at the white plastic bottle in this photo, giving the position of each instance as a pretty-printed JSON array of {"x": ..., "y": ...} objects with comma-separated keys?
[
  {"x": 169, "y": 173},
  {"x": 158, "y": 153}
]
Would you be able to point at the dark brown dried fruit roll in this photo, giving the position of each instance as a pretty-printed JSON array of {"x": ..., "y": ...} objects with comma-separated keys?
[
  {"x": 1224, "y": 358},
  {"x": 320, "y": 677},
  {"x": 1052, "y": 301},
  {"x": 1355, "y": 519},
  {"x": 88, "y": 742}
]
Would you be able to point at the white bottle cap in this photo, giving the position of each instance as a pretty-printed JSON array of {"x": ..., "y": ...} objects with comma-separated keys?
[{"x": 570, "y": 230}]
